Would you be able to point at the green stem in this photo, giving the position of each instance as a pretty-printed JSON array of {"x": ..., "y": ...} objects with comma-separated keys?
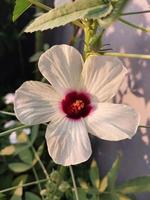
[
  {"x": 86, "y": 42},
  {"x": 40, "y": 162},
  {"x": 135, "y": 13},
  {"x": 74, "y": 183},
  {"x": 92, "y": 39},
  {"x": 4, "y": 133},
  {"x": 7, "y": 113},
  {"x": 125, "y": 55},
  {"x": 134, "y": 25},
  {"x": 37, "y": 179},
  {"x": 40, "y": 5},
  {"x": 24, "y": 185}
]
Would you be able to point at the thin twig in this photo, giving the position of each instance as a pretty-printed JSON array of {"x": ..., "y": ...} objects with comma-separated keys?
[
  {"x": 37, "y": 179},
  {"x": 24, "y": 185},
  {"x": 134, "y": 25},
  {"x": 40, "y": 5},
  {"x": 135, "y": 13},
  {"x": 7, "y": 113},
  {"x": 40, "y": 162}
]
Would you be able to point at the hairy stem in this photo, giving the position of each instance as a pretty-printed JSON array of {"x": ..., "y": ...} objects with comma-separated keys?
[{"x": 125, "y": 55}]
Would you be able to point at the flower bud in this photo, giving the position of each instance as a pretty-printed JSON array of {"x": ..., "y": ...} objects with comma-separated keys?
[
  {"x": 64, "y": 186},
  {"x": 55, "y": 177}
]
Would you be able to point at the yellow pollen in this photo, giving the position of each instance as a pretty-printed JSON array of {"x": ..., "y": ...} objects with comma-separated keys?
[{"x": 77, "y": 106}]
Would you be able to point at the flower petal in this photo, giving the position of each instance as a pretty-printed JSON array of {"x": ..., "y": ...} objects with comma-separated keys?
[
  {"x": 102, "y": 76},
  {"x": 68, "y": 142},
  {"x": 113, "y": 121},
  {"x": 35, "y": 103},
  {"x": 61, "y": 65}
]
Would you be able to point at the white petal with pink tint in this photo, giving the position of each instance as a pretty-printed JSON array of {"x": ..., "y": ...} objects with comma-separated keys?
[
  {"x": 61, "y": 65},
  {"x": 68, "y": 141},
  {"x": 102, "y": 76},
  {"x": 36, "y": 102},
  {"x": 113, "y": 121}
]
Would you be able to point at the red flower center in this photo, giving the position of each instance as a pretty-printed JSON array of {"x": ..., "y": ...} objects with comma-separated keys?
[{"x": 76, "y": 105}]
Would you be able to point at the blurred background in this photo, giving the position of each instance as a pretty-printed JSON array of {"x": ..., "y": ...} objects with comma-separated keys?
[
  {"x": 19, "y": 53},
  {"x": 135, "y": 92}
]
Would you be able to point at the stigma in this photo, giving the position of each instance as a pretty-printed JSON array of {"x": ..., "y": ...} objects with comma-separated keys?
[{"x": 76, "y": 105}]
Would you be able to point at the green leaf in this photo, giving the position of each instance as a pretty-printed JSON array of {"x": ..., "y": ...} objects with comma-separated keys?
[
  {"x": 110, "y": 179},
  {"x": 19, "y": 181},
  {"x": 19, "y": 167},
  {"x": 103, "y": 184},
  {"x": 82, "y": 194},
  {"x": 94, "y": 174},
  {"x": 31, "y": 196},
  {"x": 137, "y": 185},
  {"x": 39, "y": 152},
  {"x": 35, "y": 130},
  {"x": 112, "y": 174},
  {"x": 118, "y": 6},
  {"x": 26, "y": 156},
  {"x": 67, "y": 13},
  {"x": 20, "y": 147},
  {"x": 7, "y": 151},
  {"x": 90, "y": 193},
  {"x": 109, "y": 196},
  {"x": 14, "y": 197},
  {"x": 20, "y": 7},
  {"x": 2, "y": 197}
]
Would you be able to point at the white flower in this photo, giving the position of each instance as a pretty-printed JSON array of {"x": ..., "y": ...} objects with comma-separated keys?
[
  {"x": 27, "y": 131},
  {"x": 9, "y": 98},
  {"x": 76, "y": 102},
  {"x": 58, "y": 3},
  {"x": 9, "y": 123},
  {"x": 13, "y": 138}
]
